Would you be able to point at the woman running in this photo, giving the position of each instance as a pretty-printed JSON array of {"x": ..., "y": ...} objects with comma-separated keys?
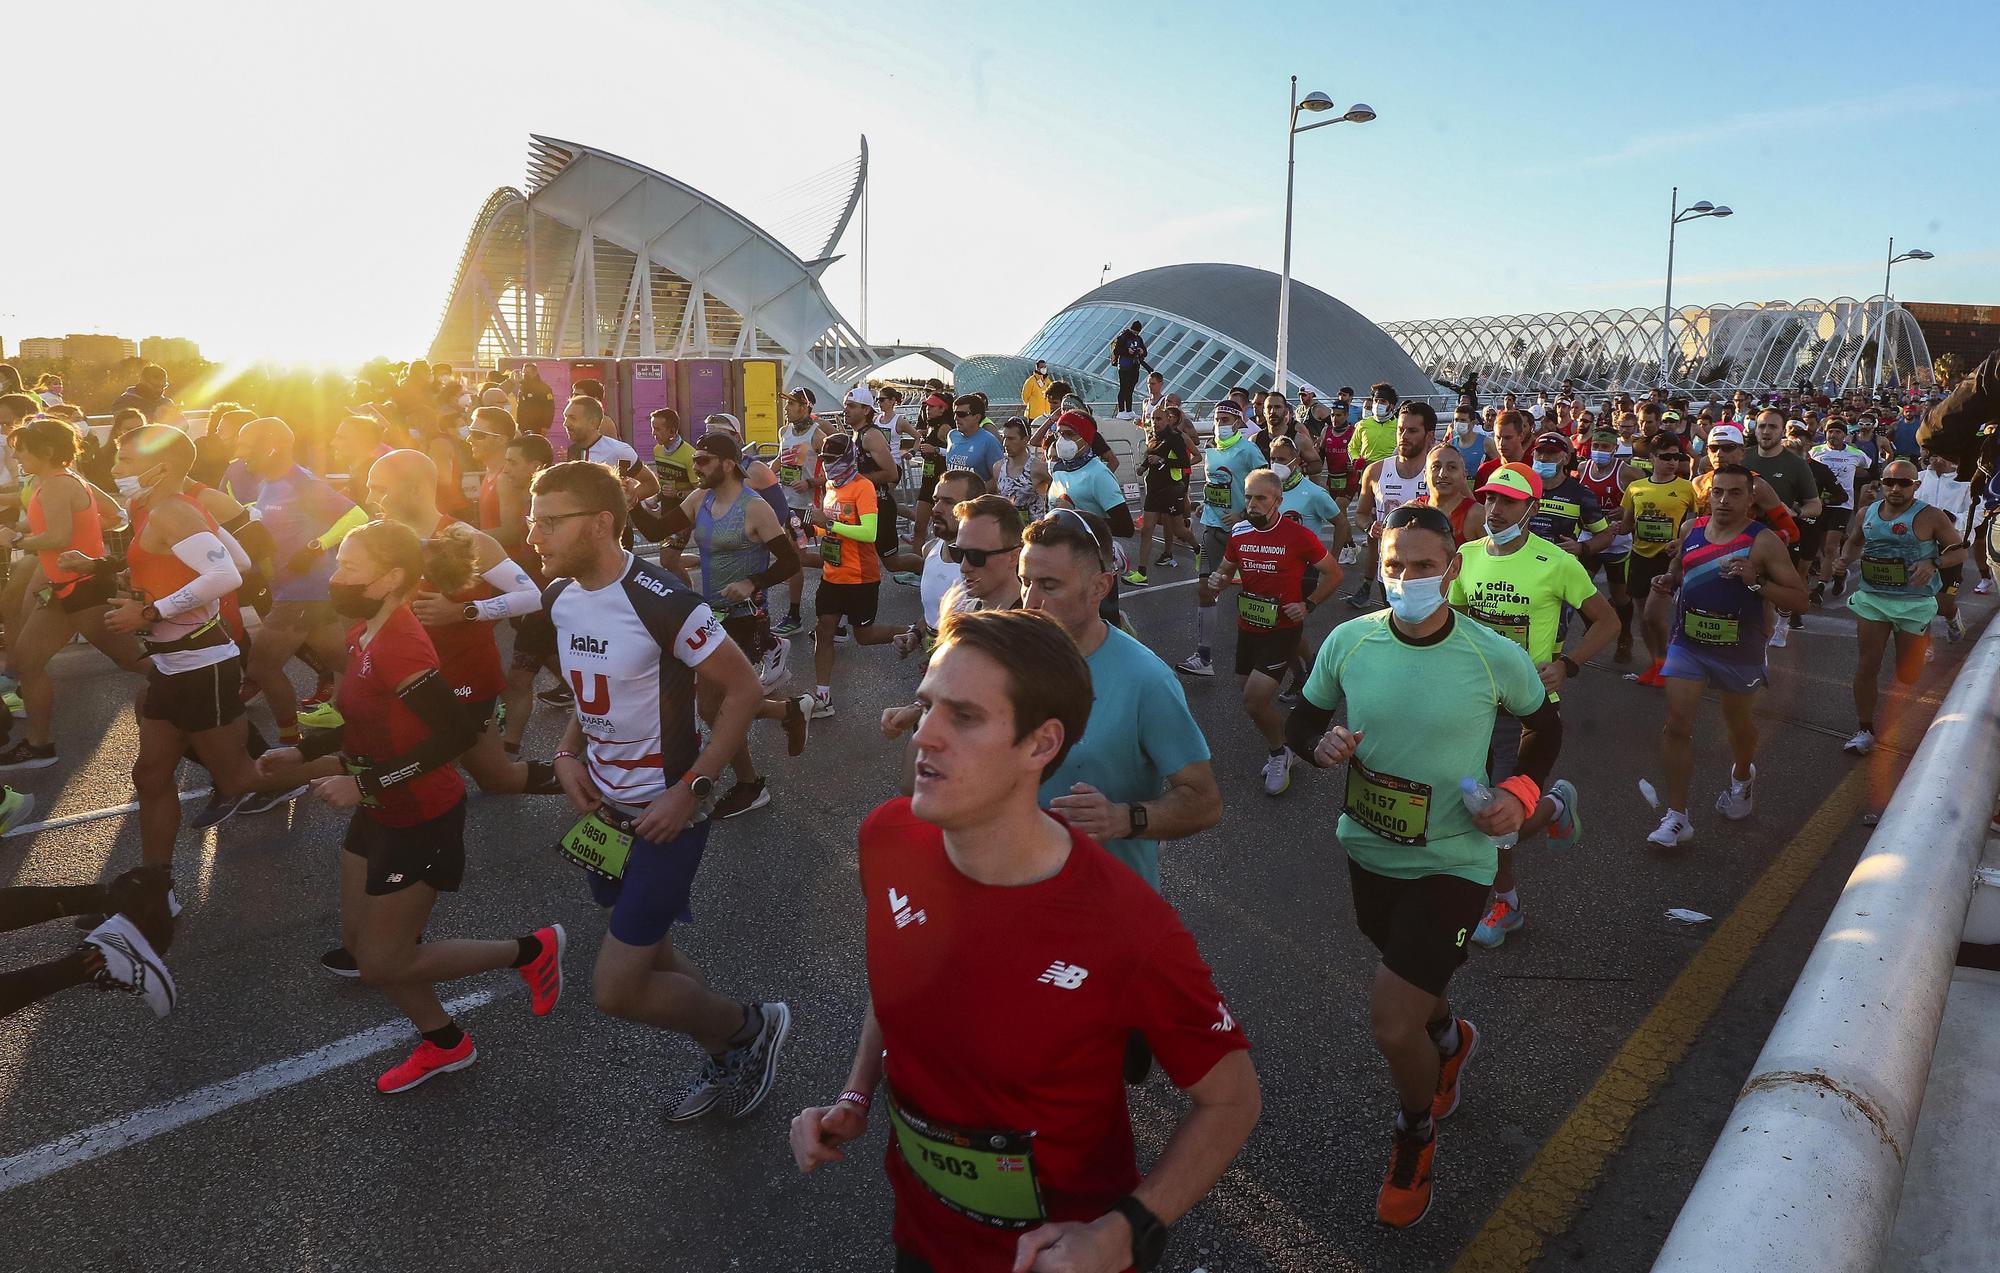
[
  {"x": 1444, "y": 473},
  {"x": 391, "y": 763}
]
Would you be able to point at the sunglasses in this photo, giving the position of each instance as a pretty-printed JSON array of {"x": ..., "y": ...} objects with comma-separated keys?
[
  {"x": 975, "y": 557},
  {"x": 963, "y": 415},
  {"x": 1898, "y": 481}
]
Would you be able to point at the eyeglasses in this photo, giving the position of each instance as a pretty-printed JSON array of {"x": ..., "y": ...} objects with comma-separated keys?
[
  {"x": 975, "y": 557},
  {"x": 553, "y": 518},
  {"x": 481, "y": 433}
]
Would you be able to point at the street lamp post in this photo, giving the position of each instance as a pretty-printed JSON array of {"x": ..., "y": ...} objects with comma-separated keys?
[
  {"x": 1675, "y": 215},
  {"x": 1882, "y": 328},
  {"x": 1359, "y": 113}
]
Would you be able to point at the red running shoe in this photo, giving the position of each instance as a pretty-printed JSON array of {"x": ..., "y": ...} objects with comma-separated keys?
[
  {"x": 425, "y": 1064},
  {"x": 544, "y": 973},
  {"x": 1445, "y": 1102}
]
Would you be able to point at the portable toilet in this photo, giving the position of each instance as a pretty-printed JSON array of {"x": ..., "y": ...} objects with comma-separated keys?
[
  {"x": 646, "y": 384},
  {"x": 758, "y": 397},
  {"x": 703, "y": 387}
]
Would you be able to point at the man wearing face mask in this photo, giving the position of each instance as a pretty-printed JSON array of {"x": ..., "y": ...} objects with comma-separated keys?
[
  {"x": 1375, "y": 433},
  {"x": 1389, "y": 483},
  {"x": 1232, "y": 459},
  {"x": 1606, "y": 475},
  {"x": 1567, "y": 515},
  {"x": 1473, "y": 444},
  {"x": 1520, "y": 585},
  {"x": 1271, "y": 554},
  {"x": 1419, "y": 863},
  {"x": 850, "y": 578}
]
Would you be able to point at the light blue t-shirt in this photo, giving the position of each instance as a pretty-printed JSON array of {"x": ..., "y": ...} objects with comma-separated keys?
[
  {"x": 978, "y": 451},
  {"x": 1139, "y": 732},
  {"x": 1227, "y": 467},
  {"x": 1310, "y": 501},
  {"x": 1091, "y": 488}
]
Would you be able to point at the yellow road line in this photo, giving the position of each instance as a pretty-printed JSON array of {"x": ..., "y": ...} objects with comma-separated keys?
[{"x": 1543, "y": 1202}]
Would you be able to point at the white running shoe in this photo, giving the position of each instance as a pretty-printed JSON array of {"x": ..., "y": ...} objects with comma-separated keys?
[
  {"x": 131, "y": 964},
  {"x": 1278, "y": 773},
  {"x": 1737, "y": 803},
  {"x": 771, "y": 668},
  {"x": 1195, "y": 665},
  {"x": 1674, "y": 829},
  {"x": 1983, "y": 587},
  {"x": 821, "y": 707},
  {"x": 1777, "y": 641},
  {"x": 1861, "y": 744},
  {"x": 1350, "y": 555}
]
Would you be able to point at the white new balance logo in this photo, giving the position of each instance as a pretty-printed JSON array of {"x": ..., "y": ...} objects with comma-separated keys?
[
  {"x": 1227, "y": 1023},
  {"x": 1064, "y": 976},
  {"x": 899, "y": 906}
]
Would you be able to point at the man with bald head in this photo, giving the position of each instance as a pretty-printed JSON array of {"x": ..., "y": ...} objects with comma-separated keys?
[
  {"x": 307, "y": 520},
  {"x": 402, "y": 487}
]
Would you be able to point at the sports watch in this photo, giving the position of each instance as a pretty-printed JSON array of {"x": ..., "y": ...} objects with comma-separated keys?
[
  {"x": 1137, "y": 813},
  {"x": 1149, "y": 1236},
  {"x": 471, "y": 612},
  {"x": 700, "y": 786}
]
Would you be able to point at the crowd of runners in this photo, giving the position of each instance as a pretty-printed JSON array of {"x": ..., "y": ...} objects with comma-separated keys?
[{"x": 1023, "y": 968}]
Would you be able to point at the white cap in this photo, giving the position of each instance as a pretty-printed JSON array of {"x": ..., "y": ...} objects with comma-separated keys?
[
  {"x": 1725, "y": 433},
  {"x": 727, "y": 421},
  {"x": 1538, "y": 411},
  {"x": 863, "y": 395}
]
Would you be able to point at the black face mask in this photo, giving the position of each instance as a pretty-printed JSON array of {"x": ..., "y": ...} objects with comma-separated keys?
[{"x": 352, "y": 601}]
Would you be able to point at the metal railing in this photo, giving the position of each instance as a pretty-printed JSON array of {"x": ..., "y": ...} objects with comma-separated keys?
[{"x": 1808, "y": 1171}]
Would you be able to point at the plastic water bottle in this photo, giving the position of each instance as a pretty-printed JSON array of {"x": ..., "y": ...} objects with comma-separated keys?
[{"x": 1477, "y": 795}]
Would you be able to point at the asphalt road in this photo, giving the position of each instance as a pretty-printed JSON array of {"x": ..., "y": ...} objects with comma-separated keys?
[{"x": 550, "y": 1152}]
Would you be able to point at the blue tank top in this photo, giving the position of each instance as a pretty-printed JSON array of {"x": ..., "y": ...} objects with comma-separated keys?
[
  {"x": 1721, "y": 618},
  {"x": 727, "y": 553},
  {"x": 1890, "y": 549}
]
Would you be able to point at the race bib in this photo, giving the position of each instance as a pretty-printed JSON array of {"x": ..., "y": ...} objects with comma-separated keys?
[
  {"x": 1654, "y": 528},
  {"x": 930, "y": 467},
  {"x": 1396, "y": 809},
  {"x": 598, "y": 847},
  {"x": 1215, "y": 494},
  {"x": 789, "y": 474},
  {"x": 1258, "y": 612},
  {"x": 984, "y": 1176},
  {"x": 1885, "y": 572},
  {"x": 1710, "y": 628},
  {"x": 830, "y": 549},
  {"x": 1512, "y": 626}
]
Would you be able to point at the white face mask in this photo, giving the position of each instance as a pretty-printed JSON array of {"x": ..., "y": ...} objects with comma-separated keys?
[
  {"x": 1414, "y": 600},
  {"x": 128, "y": 486},
  {"x": 1380, "y": 411},
  {"x": 1284, "y": 471},
  {"x": 1066, "y": 448}
]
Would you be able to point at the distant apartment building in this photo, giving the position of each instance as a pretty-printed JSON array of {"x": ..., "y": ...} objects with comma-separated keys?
[
  {"x": 164, "y": 349},
  {"x": 89, "y": 350},
  {"x": 40, "y": 349}
]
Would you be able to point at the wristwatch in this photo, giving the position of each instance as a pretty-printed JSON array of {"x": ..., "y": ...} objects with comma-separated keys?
[
  {"x": 1137, "y": 813},
  {"x": 1570, "y": 665},
  {"x": 701, "y": 786},
  {"x": 471, "y": 612},
  {"x": 1149, "y": 1236},
  {"x": 150, "y": 613}
]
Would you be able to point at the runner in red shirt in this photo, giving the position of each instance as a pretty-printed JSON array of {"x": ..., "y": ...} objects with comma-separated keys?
[
  {"x": 1269, "y": 554},
  {"x": 390, "y": 762},
  {"x": 1004, "y": 990}
]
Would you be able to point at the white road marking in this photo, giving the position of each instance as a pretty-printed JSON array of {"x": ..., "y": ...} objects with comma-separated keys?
[
  {"x": 112, "y": 1135},
  {"x": 130, "y": 806},
  {"x": 1129, "y": 591}
]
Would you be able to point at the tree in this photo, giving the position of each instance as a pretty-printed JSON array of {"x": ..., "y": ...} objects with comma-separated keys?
[{"x": 1947, "y": 367}]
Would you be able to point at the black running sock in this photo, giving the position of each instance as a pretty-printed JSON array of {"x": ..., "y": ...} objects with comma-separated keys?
[
  {"x": 28, "y": 904},
  {"x": 753, "y": 1023},
  {"x": 24, "y": 986},
  {"x": 542, "y": 780},
  {"x": 530, "y": 949},
  {"x": 447, "y": 1036},
  {"x": 1415, "y": 1122},
  {"x": 1277, "y": 752},
  {"x": 1623, "y": 609},
  {"x": 1867, "y": 727}
]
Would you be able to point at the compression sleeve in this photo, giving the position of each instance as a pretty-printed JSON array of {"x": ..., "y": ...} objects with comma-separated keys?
[
  {"x": 774, "y": 495},
  {"x": 784, "y": 562},
  {"x": 354, "y": 517},
  {"x": 452, "y": 732},
  {"x": 216, "y": 575},
  {"x": 1541, "y": 740},
  {"x": 1780, "y": 520},
  {"x": 663, "y": 525},
  {"x": 518, "y": 593},
  {"x": 1305, "y": 727},
  {"x": 863, "y": 531}
]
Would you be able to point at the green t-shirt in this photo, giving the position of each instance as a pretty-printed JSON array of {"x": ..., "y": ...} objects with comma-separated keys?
[
  {"x": 1521, "y": 596},
  {"x": 1402, "y": 815}
]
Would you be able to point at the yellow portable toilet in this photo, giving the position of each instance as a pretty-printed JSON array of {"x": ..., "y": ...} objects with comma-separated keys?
[{"x": 758, "y": 394}]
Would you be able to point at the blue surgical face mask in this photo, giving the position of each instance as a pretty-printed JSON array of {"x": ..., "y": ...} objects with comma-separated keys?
[
  {"x": 1547, "y": 469},
  {"x": 1224, "y": 435},
  {"x": 1601, "y": 457},
  {"x": 1414, "y": 600},
  {"x": 1502, "y": 538}
]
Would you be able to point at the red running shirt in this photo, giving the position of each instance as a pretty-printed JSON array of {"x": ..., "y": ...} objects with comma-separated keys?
[
  {"x": 1008, "y": 1008},
  {"x": 381, "y": 727},
  {"x": 1272, "y": 564}
]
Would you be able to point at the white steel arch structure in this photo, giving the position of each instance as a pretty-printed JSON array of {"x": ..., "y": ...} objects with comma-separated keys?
[
  {"x": 602, "y": 257},
  {"x": 1759, "y": 345}
]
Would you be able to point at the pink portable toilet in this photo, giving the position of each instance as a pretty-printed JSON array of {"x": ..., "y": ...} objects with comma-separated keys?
[
  {"x": 646, "y": 385},
  {"x": 704, "y": 387}
]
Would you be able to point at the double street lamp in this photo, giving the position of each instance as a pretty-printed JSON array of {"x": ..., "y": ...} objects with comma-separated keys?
[
  {"x": 1882, "y": 328},
  {"x": 1316, "y": 103},
  {"x": 1678, "y": 214}
]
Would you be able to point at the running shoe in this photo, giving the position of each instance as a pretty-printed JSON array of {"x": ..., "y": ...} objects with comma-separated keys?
[
  {"x": 908, "y": 578},
  {"x": 218, "y": 810},
  {"x": 1796, "y": 621},
  {"x": 1566, "y": 832},
  {"x": 1983, "y": 587},
  {"x": 556, "y": 696},
  {"x": 798, "y": 717},
  {"x": 1817, "y": 593},
  {"x": 1406, "y": 1187},
  {"x": 1954, "y": 629},
  {"x": 753, "y": 1068},
  {"x": 742, "y": 797},
  {"x": 1861, "y": 744},
  {"x": 1361, "y": 600},
  {"x": 1839, "y": 584},
  {"x": 822, "y": 705},
  {"x": 1134, "y": 577},
  {"x": 15, "y": 807},
  {"x": 325, "y": 716},
  {"x": 340, "y": 962},
  {"x": 1350, "y": 555},
  {"x": 1450, "y": 1068},
  {"x": 841, "y": 634},
  {"x": 1289, "y": 697},
  {"x": 1501, "y": 918},
  {"x": 425, "y": 1064},
  {"x": 145, "y": 896},
  {"x": 1739, "y": 800},
  {"x": 265, "y": 801},
  {"x": 15, "y": 707},
  {"x": 771, "y": 668},
  {"x": 25, "y": 755},
  {"x": 1777, "y": 638},
  {"x": 1651, "y": 676},
  {"x": 131, "y": 964},
  {"x": 544, "y": 973},
  {"x": 1164, "y": 559},
  {"x": 788, "y": 626},
  {"x": 1278, "y": 773},
  {"x": 701, "y": 1093},
  {"x": 1196, "y": 665},
  {"x": 1674, "y": 829}
]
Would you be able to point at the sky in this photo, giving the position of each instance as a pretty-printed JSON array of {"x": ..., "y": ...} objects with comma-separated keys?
[{"x": 296, "y": 181}]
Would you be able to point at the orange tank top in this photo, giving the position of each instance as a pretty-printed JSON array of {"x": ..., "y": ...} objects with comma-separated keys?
[
  {"x": 86, "y": 535},
  {"x": 156, "y": 575}
]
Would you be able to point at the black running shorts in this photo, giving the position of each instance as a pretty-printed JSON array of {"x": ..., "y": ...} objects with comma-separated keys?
[
  {"x": 195, "y": 701},
  {"x": 857, "y": 601},
  {"x": 1421, "y": 926},
  {"x": 430, "y": 852},
  {"x": 1269, "y": 652}
]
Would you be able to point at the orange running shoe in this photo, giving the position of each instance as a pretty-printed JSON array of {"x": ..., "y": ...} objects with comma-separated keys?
[
  {"x": 544, "y": 972},
  {"x": 1451, "y": 1067},
  {"x": 425, "y": 1064},
  {"x": 1651, "y": 676},
  {"x": 1406, "y": 1189}
]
